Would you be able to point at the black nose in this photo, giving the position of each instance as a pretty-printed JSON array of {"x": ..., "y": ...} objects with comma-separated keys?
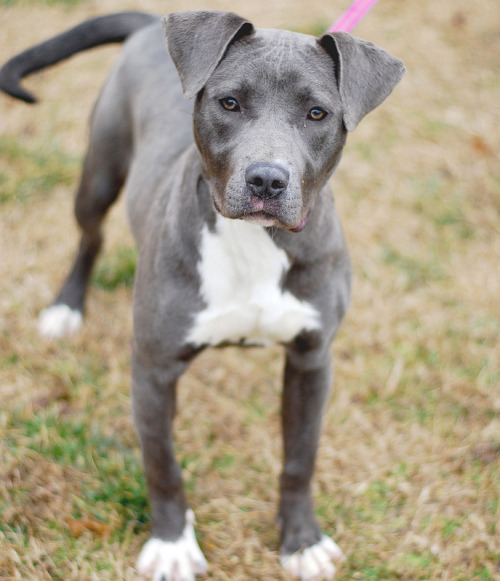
[{"x": 266, "y": 180}]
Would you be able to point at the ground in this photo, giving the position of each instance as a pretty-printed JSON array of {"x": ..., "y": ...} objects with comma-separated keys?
[{"x": 408, "y": 471}]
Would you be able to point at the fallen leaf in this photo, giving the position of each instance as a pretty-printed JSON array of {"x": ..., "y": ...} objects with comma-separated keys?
[{"x": 79, "y": 526}]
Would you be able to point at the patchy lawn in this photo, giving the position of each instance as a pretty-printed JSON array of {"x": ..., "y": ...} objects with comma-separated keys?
[{"x": 408, "y": 479}]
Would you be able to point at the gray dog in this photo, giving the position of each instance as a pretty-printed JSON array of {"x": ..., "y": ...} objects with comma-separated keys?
[{"x": 239, "y": 239}]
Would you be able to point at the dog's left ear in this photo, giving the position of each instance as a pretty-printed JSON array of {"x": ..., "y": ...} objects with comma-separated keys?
[
  {"x": 365, "y": 73},
  {"x": 197, "y": 40}
]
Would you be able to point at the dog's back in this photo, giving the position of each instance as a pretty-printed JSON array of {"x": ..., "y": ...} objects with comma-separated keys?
[{"x": 143, "y": 109}]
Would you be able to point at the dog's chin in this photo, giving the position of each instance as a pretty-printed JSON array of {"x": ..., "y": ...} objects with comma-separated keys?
[
  {"x": 260, "y": 219},
  {"x": 267, "y": 218},
  {"x": 270, "y": 215}
]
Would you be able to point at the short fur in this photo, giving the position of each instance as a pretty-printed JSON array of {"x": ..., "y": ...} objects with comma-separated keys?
[{"x": 263, "y": 164}]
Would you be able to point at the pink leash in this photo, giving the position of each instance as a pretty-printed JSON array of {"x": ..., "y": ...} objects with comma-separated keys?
[{"x": 352, "y": 15}]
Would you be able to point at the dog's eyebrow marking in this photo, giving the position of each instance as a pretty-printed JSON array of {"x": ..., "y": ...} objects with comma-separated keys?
[{"x": 233, "y": 88}]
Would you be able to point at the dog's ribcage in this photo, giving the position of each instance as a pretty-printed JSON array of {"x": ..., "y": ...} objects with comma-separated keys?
[{"x": 241, "y": 271}]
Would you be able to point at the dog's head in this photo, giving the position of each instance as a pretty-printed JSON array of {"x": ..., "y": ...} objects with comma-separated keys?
[{"x": 273, "y": 108}]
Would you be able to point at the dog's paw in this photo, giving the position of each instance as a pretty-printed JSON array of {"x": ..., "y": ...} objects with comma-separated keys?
[
  {"x": 59, "y": 320},
  {"x": 173, "y": 561},
  {"x": 314, "y": 563}
]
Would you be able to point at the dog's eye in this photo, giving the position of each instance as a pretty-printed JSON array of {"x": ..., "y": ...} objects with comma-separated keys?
[
  {"x": 230, "y": 104},
  {"x": 316, "y": 114}
]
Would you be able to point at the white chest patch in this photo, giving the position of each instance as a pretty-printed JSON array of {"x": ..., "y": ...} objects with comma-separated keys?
[{"x": 241, "y": 270}]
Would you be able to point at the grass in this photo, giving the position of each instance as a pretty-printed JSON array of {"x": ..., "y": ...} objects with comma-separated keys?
[
  {"x": 117, "y": 269},
  {"x": 408, "y": 476},
  {"x": 27, "y": 171}
]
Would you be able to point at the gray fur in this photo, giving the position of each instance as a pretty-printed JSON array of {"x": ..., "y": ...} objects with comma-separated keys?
[
  {"x": 366, "y": 74},
  {"x": 141, "y": 136},
  {"x": 210, "y": 33}
]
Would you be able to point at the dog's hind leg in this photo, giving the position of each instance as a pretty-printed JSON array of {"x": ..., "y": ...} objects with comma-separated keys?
[{"x": 104, "y": 172}]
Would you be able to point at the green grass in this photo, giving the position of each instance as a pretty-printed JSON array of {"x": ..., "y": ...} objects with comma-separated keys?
[
  {"x": 116, "y": 269},
  {"x": 29, "y": 172},
  {"x": 417, "y": 271},
  {"x": 112, "y": 479},
  {"x": 316, "y": 28},
  {"x": 442, "y": 199}
]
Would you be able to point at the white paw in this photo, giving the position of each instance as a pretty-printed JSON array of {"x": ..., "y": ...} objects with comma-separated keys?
[
  {"x": 314, "y": 563},
  {"x": 173, "y": 561},
  {"x": 58, "y": 321}
]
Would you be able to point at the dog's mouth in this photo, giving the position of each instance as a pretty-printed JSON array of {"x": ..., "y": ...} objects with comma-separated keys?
[
  {"x": 260, "y": 218},
  {"x": 266, "y": 213},
  {"x": 268, "y": 220}
]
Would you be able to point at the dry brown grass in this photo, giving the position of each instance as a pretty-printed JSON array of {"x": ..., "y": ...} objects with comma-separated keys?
[{"x": 408, "y": 472}]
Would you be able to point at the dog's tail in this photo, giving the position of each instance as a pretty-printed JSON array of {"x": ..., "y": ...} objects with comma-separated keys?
[{"x": 94, "y": 32}]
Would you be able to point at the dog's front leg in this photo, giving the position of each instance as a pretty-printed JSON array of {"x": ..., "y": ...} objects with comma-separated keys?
[
  {"x": 305, "y": 552},
  {"x": 172, "y": 553}
]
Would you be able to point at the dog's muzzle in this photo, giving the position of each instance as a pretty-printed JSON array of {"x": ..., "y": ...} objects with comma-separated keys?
[
  {"x": 266, "y": 180},
  {"x": 265, "y": 183}
]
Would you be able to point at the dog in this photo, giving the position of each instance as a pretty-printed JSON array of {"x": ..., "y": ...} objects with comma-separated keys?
[{"x": 225, "y": 145}]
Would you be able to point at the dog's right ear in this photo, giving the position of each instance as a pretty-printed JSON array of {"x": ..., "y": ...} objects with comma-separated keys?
[
  {"x": 197, "y": 40},
  {"x": 366, "y": 74}
]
